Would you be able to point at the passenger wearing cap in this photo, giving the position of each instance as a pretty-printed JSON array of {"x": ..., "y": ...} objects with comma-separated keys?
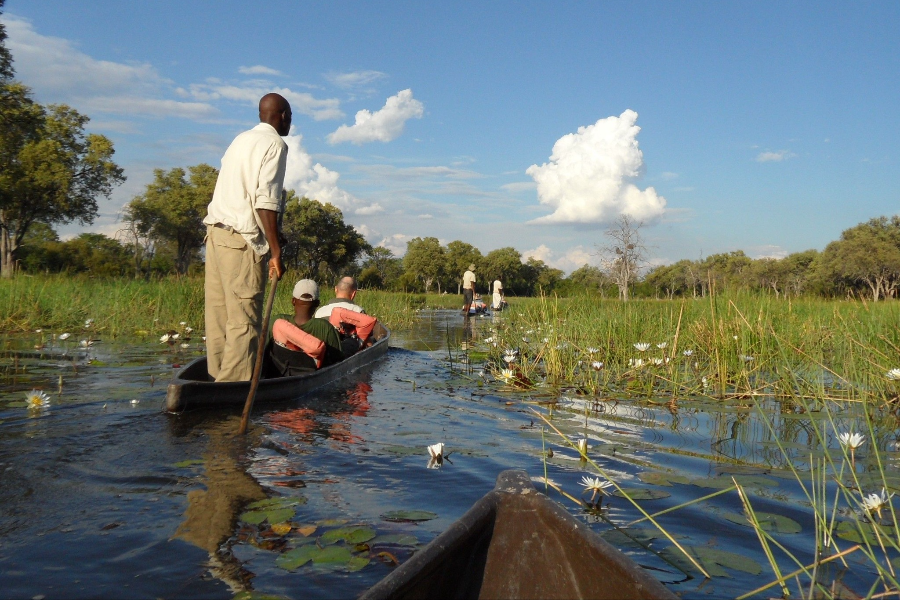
[
  {"x": 302, "y": 343},
  {"x": 468, "y": 289}
]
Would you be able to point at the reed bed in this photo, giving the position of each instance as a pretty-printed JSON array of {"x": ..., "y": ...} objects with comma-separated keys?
[
  {"x": 722, "y": 346},
  {"x": 122, "y": 307}
]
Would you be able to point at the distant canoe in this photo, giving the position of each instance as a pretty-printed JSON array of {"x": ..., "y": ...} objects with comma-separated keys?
[
  {"x": 191, "y": 387},
  {"x": 517, "y": 543}
]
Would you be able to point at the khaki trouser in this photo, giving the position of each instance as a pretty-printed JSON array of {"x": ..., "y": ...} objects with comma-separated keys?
[{"x": 235, "y": 286}]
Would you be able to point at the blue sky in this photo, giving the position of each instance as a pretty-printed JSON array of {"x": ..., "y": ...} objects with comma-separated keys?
[{"x": 767, "y": 127}]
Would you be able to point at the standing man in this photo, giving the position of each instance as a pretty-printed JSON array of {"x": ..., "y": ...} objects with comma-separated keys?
[
  {"x": 497, "y": 303},
  {"x": 468, "y": 289},
  {"x": 241, "y": 228}
]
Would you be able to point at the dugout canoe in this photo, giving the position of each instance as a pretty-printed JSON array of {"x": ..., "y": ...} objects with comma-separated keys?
[
  {"x": 517, "y": 543},
  {"x": 191, "y": 387}
]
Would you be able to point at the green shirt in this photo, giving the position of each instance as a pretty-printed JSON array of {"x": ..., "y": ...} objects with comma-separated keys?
[{"x": 321, "y": 329}]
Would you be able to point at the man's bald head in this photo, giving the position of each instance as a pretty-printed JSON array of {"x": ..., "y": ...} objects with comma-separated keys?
[
  {"x": 345, "y": 288},
  {"x": 276, "y": 111}
]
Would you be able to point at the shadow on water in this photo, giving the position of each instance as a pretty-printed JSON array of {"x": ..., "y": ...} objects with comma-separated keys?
[{"x": 103, "y": 495}]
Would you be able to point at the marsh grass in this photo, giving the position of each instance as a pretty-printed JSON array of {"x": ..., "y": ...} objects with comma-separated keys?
[
  {"x": 123, "y": 307},
  {"x": 828, "y": 360}
]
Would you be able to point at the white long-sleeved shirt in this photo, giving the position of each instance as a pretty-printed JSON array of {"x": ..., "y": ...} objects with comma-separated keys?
[{"x": 251, "y": 178}]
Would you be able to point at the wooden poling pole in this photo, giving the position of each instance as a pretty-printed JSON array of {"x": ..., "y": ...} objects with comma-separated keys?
[{"x": 257, "y": 368}]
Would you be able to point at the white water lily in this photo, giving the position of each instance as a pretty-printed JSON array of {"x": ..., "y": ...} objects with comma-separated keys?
[
  {"x": 595, "y": 485},
  {"x": 183, "y": 323},
  {"x": 488, "y": 340},
  {"x": 593, "y": 350},
  {"x": 525, "y": 339},
  {"x": 507, "y": 375},
  {"x": 875, "y": 502},
  {"x": 582, "y": 445},
  {"x": 86, "y": 343},
  {"x": 688, "y": 353},
  {"x": 596, "y": 365},
  {"x": 705, "y": 382},
  {"x": 37, "y": 399},
  {"x": 642, "y": 346},
  {"x": 88, "y": 323},
  {"x": 893, "y": 375},
  {"x": 746, "y": 358},
  {"x": 38, "y": 330},
  {"x": 135, "y": 402},
  {"x": 174, "y": 336},
  {"x": 635, "y": 362},
  {"x": 657, "y": 361},
  {"x": 545, "y": 340},
  {"x": 436, "y": 450},
  {"x": 165, "y": 338},
  {"x": 188, "y": 329},
  {"x": 662, "y": 345},
  {"x": 852, "y": 440},
  {"x": 185, "y": 345},
  {"x": 510, "y": 355},
  {"x": 64, "y": 336}
]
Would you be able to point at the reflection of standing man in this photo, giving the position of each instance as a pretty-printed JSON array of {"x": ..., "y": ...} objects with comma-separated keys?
[
  {"x": 468, "y": 289},
  {"x": 497, "y": 303},
  {"x": 242, "y": 226}
]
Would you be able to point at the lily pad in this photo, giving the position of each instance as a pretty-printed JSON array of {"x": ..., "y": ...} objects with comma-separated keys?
[
  {"x": 714, "y": 560},
  {"x": 273, "y": 510},
  {"x": 861, "y": 532},
  {"x": 351, "y": 535},
  {"x": 293, "y": 559},
  {"x": 661, "y": 478},
  {"x": 395, "y": 539},
  {"x": 331, "y": 555},
  {"x": 17, "y": 404},
  {"x": 188, "y": 463},
  {"x": 641, "y": 494},
  {"x": 357, "y": 563},
  {"x": 767, "y": 521},
  {"x": 402, "y": 450},
  {"x": 724, "y": 481},
  {"x": 275, "y": 503},
  {"x": 331, "y": 522},
  {"x": 399, "y": 516},
  {"x": 631, "y": 537}
]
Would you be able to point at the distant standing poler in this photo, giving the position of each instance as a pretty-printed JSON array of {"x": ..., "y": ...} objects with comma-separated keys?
[
  {"x": 241, "y": 229},
  {"x": 498, "y": 302},
  {"x": 468, "y": 289}
]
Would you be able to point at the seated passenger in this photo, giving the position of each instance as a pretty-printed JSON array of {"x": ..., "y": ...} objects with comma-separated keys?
[
  {"x": 344, "y": 293},
  {"x": 302, "y": 343},
  {"x": 355, "y": 329}
]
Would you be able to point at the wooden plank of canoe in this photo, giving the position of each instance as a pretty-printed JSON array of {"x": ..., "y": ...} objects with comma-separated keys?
[{"x": 517, "y": 543}]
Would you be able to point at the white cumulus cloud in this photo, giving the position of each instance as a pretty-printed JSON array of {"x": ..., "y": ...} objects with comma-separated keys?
[
  {"x": 383, "y": 125},
  {"x": 395, "y": 243},
  {"x": 590, "y": 173},
  {"x": 318, "y": 182},
  {"x": 319, "y": 109},
  {"x": 355, "y": 79}
]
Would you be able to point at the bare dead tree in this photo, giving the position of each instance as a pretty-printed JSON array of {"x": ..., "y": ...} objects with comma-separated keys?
[
  {"x": 143, "y": 246},
  {"x": 625, "y": 255}
]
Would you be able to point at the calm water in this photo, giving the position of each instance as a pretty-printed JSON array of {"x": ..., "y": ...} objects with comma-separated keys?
[{"x": 104, "y": 495}]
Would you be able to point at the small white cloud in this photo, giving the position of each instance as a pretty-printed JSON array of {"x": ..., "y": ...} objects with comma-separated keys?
[
  {"x": 589, "y": 176},
  {"x": 774, "y": 156},
  {"x": 381, "y": 126},
  {"x": 371, "y": 209},
  {"x": 320, "y": 109},
  {"x": 518, "y": 186},
  {"x": 366, "y": 231},
  {"x": 768, "y": 251},
  {"x": 395, "y": 243},
  {"x": 425, "y": 216},
  {"x": 258, "y": 70},
  {"x": 668, "y": 176},
  {"x": 573, "y": 258},
  {"x": 356, "y": 79},
  {"x": 317, "y": 182}
]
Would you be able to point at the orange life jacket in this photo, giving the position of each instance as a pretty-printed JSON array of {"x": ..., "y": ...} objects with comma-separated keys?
[
  {"x": 293, "y": 338},
  {"x": 347, "y": 322}
]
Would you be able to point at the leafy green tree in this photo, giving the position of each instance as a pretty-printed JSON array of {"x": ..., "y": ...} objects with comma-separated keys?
[
  {"x": 425, "y": 260},
  {"x": 320, "y": 244},
  {"x": 539, "y": 277},
  {"x": 53, "y": 171},
  {"x": 6, "y": 62},
  {"x": 380, "y": 268},
  {"x": 586, "y": 279},
  {"x": 96, "y": 254},
  {"x": 172, "y": 208},
  {"x": 459, "y": 256},
  {"x": 867, "y": 254},
  {"x": 504, "y": 264}
]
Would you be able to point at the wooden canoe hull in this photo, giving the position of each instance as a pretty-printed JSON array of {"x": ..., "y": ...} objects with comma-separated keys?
[
  {"x": 517, "y": 543},
  {"x": 190, "y": 388}
]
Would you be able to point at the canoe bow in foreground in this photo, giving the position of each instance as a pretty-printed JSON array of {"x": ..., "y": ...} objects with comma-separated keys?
[
  {"x": 517, "y": 543},
  {"x": 191, "y": 387}
]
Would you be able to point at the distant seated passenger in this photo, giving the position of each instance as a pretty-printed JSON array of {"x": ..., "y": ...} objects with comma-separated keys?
[
  {"x": 344, "y": 293},
  {"x": 302, "y": 343},
  {"x": 355, "y": 329}
]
